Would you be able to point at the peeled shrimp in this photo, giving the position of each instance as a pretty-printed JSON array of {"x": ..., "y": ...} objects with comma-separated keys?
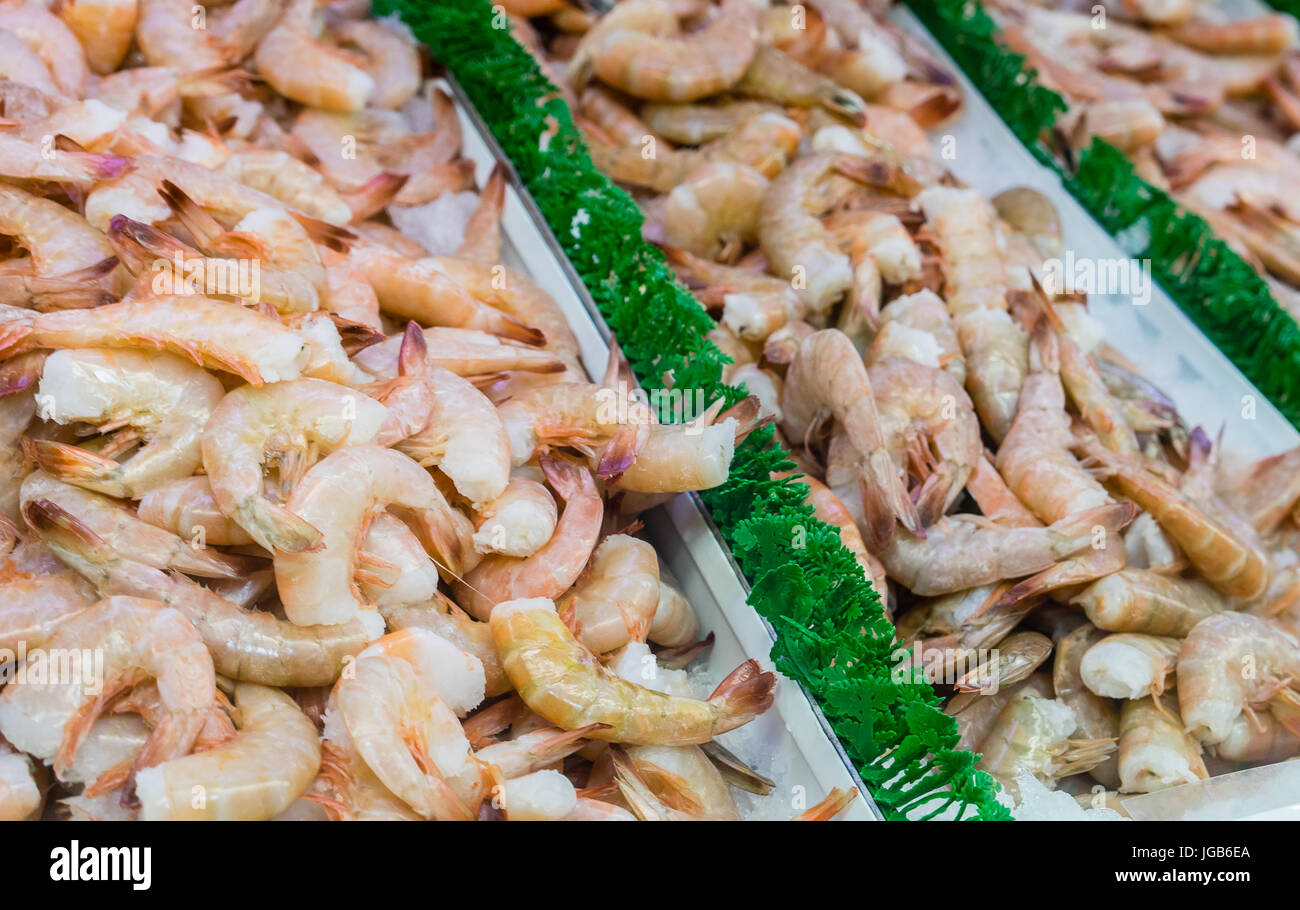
[
  {"x": 285, "y": 422},
  {"x": 115, "y": 523},
  {"x": 135, "y": 637},
  {"x": 560, "y": 680},
  {"x": 245, "y": 644},
  {"x": 391, "y": 61},
  {"x": 212, "y": 333},
  {"x": 105, "y": 29},
  {"x": 304, "y": 69},
  {"x": 258, "y": 774},
  {"x": 160, "y": 399},
  {"x": 59, "y": 240},
  {"x": 335, "y": 497},
  {"x": 188, "y": 508},
  {"x": 614, "y": 600},
  {"x": 712, "y": 213},
  {"x": 554, "y": 567},
  {"x": 636, "y": 49}
]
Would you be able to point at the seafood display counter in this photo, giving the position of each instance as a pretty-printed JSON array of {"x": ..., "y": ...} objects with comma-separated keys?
[{"x": 1031, "y": 449}]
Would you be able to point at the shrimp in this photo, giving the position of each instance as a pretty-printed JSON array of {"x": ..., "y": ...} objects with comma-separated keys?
[
  {"x": 441, "y": 615},
  {"x": 615, "y": 599},
  {"x": 188, "y": 508},
  {"x": 674, "y": 783},
  {"x": 679, "y": 458},
  {"x": 465, "y": 352},
  {"x": 397, "y": 719},
  {"x": 1154, "y": 750},
  {"x": 105, "y": 29},
  {"x": 585, "y": 416},
  {"x": 773, "y": 75},
  {"x": 917, "y": 326},
  {"x": 59, "y": 240},
  {"x": 930, "y": 428},
  {"x": 1232, "y": 565},
  {"x": 975, "y": 718},
  {"x": 712, "y": 213},
  {"x": 393, "y": 62},
  {"x": 797, "y": 244},
  {"x": 37, "y": 601},
  {"x": 462, "y": 433},
  {"x": 1267, "y": 490},
  {"x": 766, "y": 142},
  {"x": 212, "y": 333},
  {"x": 963, "y": 551},
  {"x": 289, "y": 180},
  {"x": 482, "y": 240},
  {"x": 1129, "y": 665},
  {"x": 560, "y": 680},
  {"x": 553, "y": 568},
  {"x": 119, "y": 528},
  {"x": 20, "y": 793},
  {"x": 1138, "y": 600},
  {"x": 1271, "y": 34},
  {"x": 22, "y": 65},
  {"x": 52, "y": 40},
  {"x": 828, "y": 375},
  {"x": 1097, "y": 716},
  {"x": 696, "y": 124},
  {"x": 518, "y": 522},
  {"x": 244, "y": 644},
  {"x": 335, "y": 497},
  {"x": 1262, "y": 738},
  {"x": 156, "y": 398},
  {"x": 636, "y": 49},
  {"x": 348, "y": 790},
  {"x": 284, "y": 423},
  {"x": 137, "y": 639},
  {"x": 675, "y": 622},
  {"x": 1214, "y": 687},
  {"x": 880, "y": 249},
  {"x": 1033, "y": 734},
  {"x": 995, "y": 348},
  {"x": 258, "y": 774},
  {"x": 1035, "y": 458},
  {"x": 304, "y": 69},
  {"x": 420, "y": 290}
]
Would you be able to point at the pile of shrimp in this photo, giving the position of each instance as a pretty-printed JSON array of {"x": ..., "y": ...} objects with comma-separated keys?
[
  {"x": 1206, "y": 105},
  {"x": 1011, "y": 486},
  {"x": 315, "y": 484}
]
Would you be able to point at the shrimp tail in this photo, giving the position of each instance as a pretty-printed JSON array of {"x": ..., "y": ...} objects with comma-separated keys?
[
  {"x": 1094, "y": 535},
  {"x": 413, "y": 358},
  {"x": 563, "y": 743},
  {"x": 884, "y": 498},
  {"x": 202, "y": 226},
  {"x": 878, "y": 171},
  {"x": 277, "y": 528},
  {"x": 74, "y": 291},
  {"x": 620, "y": 452},
  {"x": 832, "y": 805},
  {"x": 93, "y": 165},
  {"x": 746, "y": 413},
  {"x": 70, "y": 463},
  {"x": 634, "y": 790},
  {"x": 355, "y": 336},
  {"x": 15, "y": 338},
  {"x": 745, "y": 694},
  {"x": 372, "y": 196},
  {"x": 567, "y": 479},
  {"x": 336, "y": 238},
  {"x": 61, "y": 530}
]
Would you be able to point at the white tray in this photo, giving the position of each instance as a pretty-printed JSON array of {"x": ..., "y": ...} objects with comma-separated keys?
[{"x": 792, "y": 743}]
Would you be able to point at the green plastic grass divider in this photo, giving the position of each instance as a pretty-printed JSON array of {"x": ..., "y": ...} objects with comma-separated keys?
[
  {"x": 831, "y": 633},
  {"x": 1212, "y": 284}
]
